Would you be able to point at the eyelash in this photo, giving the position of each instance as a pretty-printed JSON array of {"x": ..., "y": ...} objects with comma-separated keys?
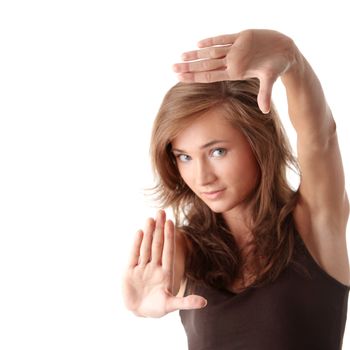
[
  {"x": 219, "y": 149},
  {"x": 178, "y": 156}
]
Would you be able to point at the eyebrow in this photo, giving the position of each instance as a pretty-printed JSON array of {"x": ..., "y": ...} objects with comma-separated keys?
[{"x": 211, "y": 143}]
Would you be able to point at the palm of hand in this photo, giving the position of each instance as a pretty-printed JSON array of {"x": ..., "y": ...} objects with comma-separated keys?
[
  {"x": 148, "y": 290},
  {"x": 149, "y": 279}
]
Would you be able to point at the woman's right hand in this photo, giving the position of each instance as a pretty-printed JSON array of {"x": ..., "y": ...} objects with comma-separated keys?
[{"x": 149, "y": 277}]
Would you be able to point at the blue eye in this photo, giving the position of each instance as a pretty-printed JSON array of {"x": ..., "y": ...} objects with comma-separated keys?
[
  {"x": 183, "y": 158},
  {"x": 218, "y": 152}
]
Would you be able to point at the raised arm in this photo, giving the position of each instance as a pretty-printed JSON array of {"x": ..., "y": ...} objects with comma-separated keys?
[
  {"x": 322, "y": 210},
  {"x": 322, "y": 187}
]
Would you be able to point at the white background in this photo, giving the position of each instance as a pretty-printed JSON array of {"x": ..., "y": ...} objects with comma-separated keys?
[{"x": 80, "y": 84}]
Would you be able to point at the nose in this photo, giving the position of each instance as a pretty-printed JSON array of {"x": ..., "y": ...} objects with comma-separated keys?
[{"x": 204, "y": 173}]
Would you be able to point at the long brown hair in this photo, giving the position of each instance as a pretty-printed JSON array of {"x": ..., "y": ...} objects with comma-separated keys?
[{"x": 214, "y": 257}]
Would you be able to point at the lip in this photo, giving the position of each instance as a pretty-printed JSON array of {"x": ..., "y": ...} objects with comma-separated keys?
[{"x": 213, "y": 194}]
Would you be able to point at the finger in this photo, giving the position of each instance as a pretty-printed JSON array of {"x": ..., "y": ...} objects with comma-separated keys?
[
  {"x": 204, "y": 77},
  {"x": 265, "y": 92},
  {"x": 135, "y": 251},
  {"x": 200, "y": 66},
  {"x": 169, "y": 244},
  {"x": 158, "y": 238},
  {"x": 210, "y": 52},
  {"x": 145, "y": 255},
  {"x": 186, "y": 303},
  {"x": 218, "y": 40}
]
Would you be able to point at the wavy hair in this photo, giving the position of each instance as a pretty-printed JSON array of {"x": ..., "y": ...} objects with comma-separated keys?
[{"x": 213, "y": 256}]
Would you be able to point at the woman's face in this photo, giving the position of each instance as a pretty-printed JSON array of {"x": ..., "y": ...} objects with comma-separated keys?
[{"x": 216, "y": 162}]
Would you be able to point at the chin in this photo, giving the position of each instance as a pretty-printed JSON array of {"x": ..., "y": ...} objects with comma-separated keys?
[
  {"x": 222, "y": 206},
  {"x": 219, "y": 208}
]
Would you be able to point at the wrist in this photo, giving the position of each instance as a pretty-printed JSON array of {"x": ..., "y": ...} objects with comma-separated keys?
[{"x": 297, "y": 65}]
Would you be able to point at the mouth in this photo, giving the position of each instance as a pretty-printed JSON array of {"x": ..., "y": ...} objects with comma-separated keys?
[{"x": 213, "y": 194}]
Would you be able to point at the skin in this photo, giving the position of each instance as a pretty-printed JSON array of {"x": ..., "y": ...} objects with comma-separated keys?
[
  {"x": 156, "y": 268},
  {"x": 148, "y": 281}
]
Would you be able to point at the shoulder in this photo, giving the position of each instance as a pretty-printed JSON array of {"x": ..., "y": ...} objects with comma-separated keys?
[{"x": 325, "y": 241}]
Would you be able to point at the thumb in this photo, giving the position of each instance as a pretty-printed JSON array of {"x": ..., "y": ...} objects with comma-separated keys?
[
  {"x": 186, "y": 303},
  {"x": 264, "y": 95}
]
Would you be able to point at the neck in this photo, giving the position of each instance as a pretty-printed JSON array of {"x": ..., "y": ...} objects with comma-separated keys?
[{"x": 239, "y": 222}]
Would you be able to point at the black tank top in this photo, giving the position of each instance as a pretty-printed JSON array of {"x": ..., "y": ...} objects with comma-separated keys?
[{"x": 298, "y": 311}]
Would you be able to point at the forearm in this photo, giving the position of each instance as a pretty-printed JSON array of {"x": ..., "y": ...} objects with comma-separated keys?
[{"x": 308, "y": 109}]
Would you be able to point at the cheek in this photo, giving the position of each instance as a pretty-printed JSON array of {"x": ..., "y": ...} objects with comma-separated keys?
[
  {"x": 242, "y": 168},
  {"x": 231, "y": 168},
  {"x": 251, "y": 171},
  {"x": 187, "y": 176}
]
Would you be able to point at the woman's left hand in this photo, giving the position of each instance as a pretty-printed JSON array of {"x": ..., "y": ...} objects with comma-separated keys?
[{"x": 262, "y": 54}]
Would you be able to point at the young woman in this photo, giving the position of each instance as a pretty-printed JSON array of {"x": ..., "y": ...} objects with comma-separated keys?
[{"x": 250, "y": 262}]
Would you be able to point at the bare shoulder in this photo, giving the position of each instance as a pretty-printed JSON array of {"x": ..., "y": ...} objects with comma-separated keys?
[
  {"x": 325, "y": 239},
  {"x": 181, "y": 251}
]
